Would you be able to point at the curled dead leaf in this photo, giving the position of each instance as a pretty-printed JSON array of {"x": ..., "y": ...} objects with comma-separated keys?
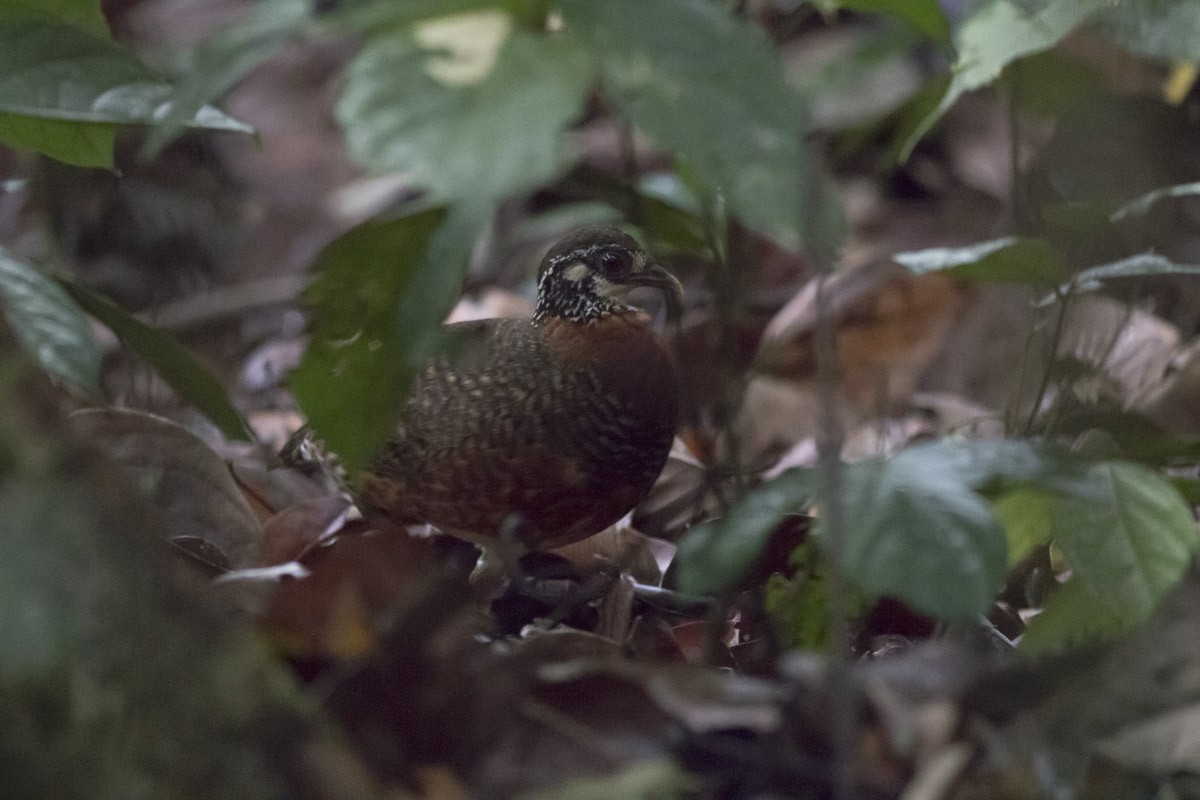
[
  {"x": 679, "y": 496},
  {"x": 889, "y": 324},
  {"x": 181, "y": 478}
]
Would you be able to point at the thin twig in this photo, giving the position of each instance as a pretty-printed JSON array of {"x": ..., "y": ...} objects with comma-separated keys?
[
  {"x": 830, "y": 441},
  {"x": 674, "y": 602},
  {"x": 726, "y": 279},
  {"x": 1014, "y": 403},
  {"x": 1062, "y": 300},
  {"x": 629, "y": 164},
  {"x": 227, "y": 301},
  {"x": 1017, "y": 188}
]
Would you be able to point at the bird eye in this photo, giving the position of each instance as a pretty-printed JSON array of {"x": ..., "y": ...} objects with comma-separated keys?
[{"x": 614, "y": 262}]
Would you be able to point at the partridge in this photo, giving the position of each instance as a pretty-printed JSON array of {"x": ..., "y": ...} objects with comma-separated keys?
[{"x": 544, "y": 430}]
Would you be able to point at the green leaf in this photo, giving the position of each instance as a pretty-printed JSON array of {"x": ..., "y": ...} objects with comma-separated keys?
[
  {"x": 1188, "y": 488},
  {"x": 82, "y": 144},
  {"x": 381, "y": 294},
  {"x": 49, "y": 325},
  {"x": 920, "y": 528},
  {"x": 166, "y": 356},
  {"x": 1143, "y": 204},
  {"x": 87, "y": 15},
  {"x": 54, "y": 71},
  {"x": 707, "y": 86},
  {"x": 1012, "y": 259},
  {"x": 1053, "y": 84},
  {"x": 661, "y": 206},
  {"x": 1139, "y": 266},
  {"x": 915, "y": 529},
  {"x": 370, "y": 17},
  {"x": 89, "y": 598},
  {"x": 799, "y": 606},
  {"x": 716, "y": 555},
  {"x": 224, "y": 59},
  {"x": 1131, "y": 546},
  {"x": 891, "y": 128},
  {"x": 41, "y": 629},
  {"x": 470, "y": 106},
  {"x": 999, "y": 33},
  {"x": 1071, "y": 617},
  {"x": 1137, "y": 437},
  {"x": 1025, "y": 514},
  {"x": 1126, "y": 532},
  {"x": 1168, "y": 30},
  {"x": 923, "y": 16}
]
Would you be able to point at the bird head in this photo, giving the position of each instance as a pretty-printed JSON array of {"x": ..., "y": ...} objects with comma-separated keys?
[{"x": 588, "y": 273}]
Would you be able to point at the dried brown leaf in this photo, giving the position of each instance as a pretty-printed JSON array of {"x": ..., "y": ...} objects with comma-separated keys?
[
  {"x": 184, "y": 480},
  {"x": 291, "y": 533}
]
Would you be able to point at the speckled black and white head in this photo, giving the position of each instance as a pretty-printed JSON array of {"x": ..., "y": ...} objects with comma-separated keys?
[{"x": 587, "y": 274}]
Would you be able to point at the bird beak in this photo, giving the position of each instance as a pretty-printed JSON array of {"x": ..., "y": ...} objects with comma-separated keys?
[{"x": 658, "y": 278}]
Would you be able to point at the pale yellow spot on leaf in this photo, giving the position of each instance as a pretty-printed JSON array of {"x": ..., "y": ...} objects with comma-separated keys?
[
  {"x": 467, "y": 45},
  {"x": 1179, "y": 83}
]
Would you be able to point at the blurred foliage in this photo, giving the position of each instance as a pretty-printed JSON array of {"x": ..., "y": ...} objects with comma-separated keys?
[
  {"x": 170, "y": 359},
  {"x": 1009, "y": 260},
  {"x": 924, "y": 16},
  {"x": 118, "y": 677},
  {"x": 64, "y": 84},
  {"x": 376, "y": 327},
  {"x": 799, "y": 605},
  {"x": 1128, "y": 541},
  {"x": 705, "y": 86},
  {"x": 52, "y": 329},
  {"x": 481, "y": 112},
  {"x": 223, "y": 60},
  {"x": 716, "y": 555},
  {"x": 929, "y": 527}
]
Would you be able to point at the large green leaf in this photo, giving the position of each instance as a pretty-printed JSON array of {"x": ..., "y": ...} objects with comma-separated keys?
[
  {"x": 1128, "y": 535},
  {"x": 82, "y": 144},
  {"x": 999, "y": 33},
  {"x": 705, "y": 85},
  {"x": 470, "y": 106},
  {"x": 1071, "y": 617},
  {"x": 1025, "y": 513},
  {"x": 40, "y": 630},
  {"x": 166, "y": 356},
  {"x": 916, "y": 530},
  {"x": 716, "y": 555},
  {"x": 920, "y": 527},
  {"x": 924, "y": 16},
  {"x": 1130, "y": 547},
  {"x": 1009, "y": 260},
  {"x": 225, "y": 58},
  {"x": 1162, "y": 29},
  {"x": 381, "y": 293},
  {"x": 372, "y": 17},
  {"x": 87, "y": 15},
  {"x": 54, "y": 71},
  {"x": 49, "y": 325}
]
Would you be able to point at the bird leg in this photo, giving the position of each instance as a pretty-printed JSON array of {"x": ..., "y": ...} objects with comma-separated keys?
[{"x": 499, "y": 558}]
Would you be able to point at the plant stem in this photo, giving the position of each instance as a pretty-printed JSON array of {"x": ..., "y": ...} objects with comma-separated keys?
[
  {"x": 726, "y": 282},
  {"x": 1062, "y": 300},
  {"x": 629, "y": 165},
  {"x": 830, "y": 441},
  {"x": 1020, "y": 209}
]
